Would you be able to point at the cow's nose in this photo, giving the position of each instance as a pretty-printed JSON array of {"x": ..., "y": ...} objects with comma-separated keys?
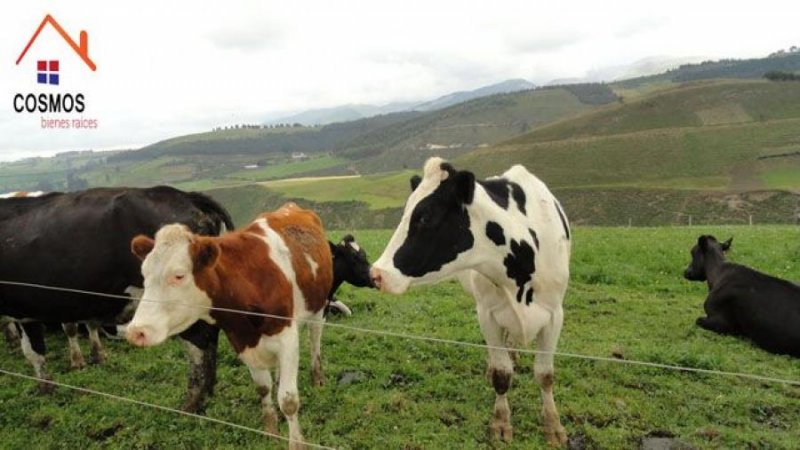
[
  {"x": 137, "y": 336},
  {"x": 376, "y": 277}
]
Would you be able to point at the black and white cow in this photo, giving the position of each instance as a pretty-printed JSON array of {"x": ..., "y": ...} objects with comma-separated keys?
[
  {"x": 81, "y": 240},
  {"x": 350, "y": 265},
  {"x": 76, "y": 359},
  {"x": 508, "y": 241},
  {"x": 744, "y": 302}
]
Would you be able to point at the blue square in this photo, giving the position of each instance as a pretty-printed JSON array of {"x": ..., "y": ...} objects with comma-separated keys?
[
  {"x": 41, "y": 78},
  {"x": 54, "y": 78}
]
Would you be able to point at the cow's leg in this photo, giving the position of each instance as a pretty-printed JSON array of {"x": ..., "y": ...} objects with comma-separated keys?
[
  {"x": 718, "y": 324},
  {"x": 546, "y": 342},
  {"x": 201, "y": 349},
  {"x": 288, "y": 395},
  {"x": 12, "y": 334},
  {"x": 98, "y": 355},
  {"x": 500, "y": 371},
  {"x": 34, "y": 349},
  {"x": 263, "y": 380},
  {"x": 717, "y": 319},
  {"x": 511, "y": 344},
  {"x": 315, "y": 333},
  {"x": 76, "y": 360}
]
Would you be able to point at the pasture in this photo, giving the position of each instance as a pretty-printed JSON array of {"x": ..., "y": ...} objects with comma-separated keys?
[{"x": 627, "y": 299}]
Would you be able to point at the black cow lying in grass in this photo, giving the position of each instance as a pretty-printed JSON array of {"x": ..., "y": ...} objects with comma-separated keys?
[
  {"x": 744, "y": 302},
  {"x": 349, "y": 264}
]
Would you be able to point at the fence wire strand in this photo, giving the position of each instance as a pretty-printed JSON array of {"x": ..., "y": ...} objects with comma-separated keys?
[
  {"x": 160, "y": 407},
  {"x": 406, "y": 336}
]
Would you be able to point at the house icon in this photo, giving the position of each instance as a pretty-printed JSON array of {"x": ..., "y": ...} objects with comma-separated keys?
[{"x": 82, "y": 48}]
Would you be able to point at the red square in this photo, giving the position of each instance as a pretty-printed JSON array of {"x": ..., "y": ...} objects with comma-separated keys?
[
  {"x": 54, "y": 66},
  {"x": 41, "y": 66}
]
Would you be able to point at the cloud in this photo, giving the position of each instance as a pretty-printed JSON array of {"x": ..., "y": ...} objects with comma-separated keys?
[
  {"x": 248, "y": 37},
  {"x": 544, "y": 42},
  {"x": 641, "y": 25}
]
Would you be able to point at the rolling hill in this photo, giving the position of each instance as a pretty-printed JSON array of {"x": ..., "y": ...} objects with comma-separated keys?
[
  {"x": 648, "y": 152},
  {"x": 344, "y": 113},
  {"x": 380, "y": 143},
  {"x": 724, "y": 151}
]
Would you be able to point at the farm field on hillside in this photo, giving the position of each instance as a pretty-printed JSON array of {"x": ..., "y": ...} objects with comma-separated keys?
[{"x": 626, "y": 298}]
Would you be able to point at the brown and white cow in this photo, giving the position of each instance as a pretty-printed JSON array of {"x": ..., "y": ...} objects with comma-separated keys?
[{"x": 280, "y": 265}]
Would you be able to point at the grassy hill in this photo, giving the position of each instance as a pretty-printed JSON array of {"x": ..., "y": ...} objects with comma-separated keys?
[
  {"x": 715, "y": 150},
  {"x": 708, "y": 135},
  {"x": 380, "y": 143},
  {"x": 726, "y": 68},
  {"x": 656, "y": 160}
]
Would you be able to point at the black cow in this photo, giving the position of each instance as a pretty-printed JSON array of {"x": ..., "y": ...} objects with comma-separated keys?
[
  {"x": 350, "y": 265},
  {"x": 81, "y": 240},
  {"x": 744, "y": 302}
]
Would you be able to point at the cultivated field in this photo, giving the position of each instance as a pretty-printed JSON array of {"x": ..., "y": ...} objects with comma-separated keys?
[{"x": 626, "y": 300}]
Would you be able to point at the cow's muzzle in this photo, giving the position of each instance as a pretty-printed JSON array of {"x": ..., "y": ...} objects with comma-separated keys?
[{"x": 140, "y": 336}]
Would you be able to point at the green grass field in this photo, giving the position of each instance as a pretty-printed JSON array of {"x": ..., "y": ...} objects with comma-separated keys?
[{"x": 626, "y": 297}]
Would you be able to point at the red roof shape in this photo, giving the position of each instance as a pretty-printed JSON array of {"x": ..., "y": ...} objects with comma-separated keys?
[{"x": 82, "y": 50}]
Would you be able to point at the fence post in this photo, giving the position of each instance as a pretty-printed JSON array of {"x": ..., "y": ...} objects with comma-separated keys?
[
  {"x": 690, "y": 220},
  {"x": 750, "y": 219}
]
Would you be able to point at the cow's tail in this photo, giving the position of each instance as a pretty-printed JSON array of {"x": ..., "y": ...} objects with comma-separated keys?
[{"x": 220, "y": 216}]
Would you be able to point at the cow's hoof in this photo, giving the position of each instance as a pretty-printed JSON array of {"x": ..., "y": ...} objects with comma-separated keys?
[
  {"x": 271, "y": 423},
  {"x": 501, "y": 430},
  {"x": 317, "y": 376},
  {"x": 556, "y": 437},
  {"x": 45, "y": 388},
  {"x": 77, "y": 364},
  {"x": 192, "y": 405},
  {"x": 98, "y": 357},
  {"x": 297, "y": 445}
]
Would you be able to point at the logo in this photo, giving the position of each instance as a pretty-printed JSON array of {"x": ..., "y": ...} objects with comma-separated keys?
[{"x": 49, "y": 73}]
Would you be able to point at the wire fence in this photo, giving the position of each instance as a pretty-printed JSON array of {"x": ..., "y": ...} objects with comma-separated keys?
[
  {"x": 432, "y": 339},
  {"x": 382, "y": 333},
  {"x": 159, "y": 407}
]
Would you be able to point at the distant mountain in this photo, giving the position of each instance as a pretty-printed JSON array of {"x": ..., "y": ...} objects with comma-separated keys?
[
  {"x": 345, "y": 113},
  {"x": 754, "y": 68},
  {"x": 504, "y": 87},
  {"x": 644, "y": 67}
]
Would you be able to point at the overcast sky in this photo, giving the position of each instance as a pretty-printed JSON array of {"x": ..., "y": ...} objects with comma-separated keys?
[{"x": 174, "y": 67}]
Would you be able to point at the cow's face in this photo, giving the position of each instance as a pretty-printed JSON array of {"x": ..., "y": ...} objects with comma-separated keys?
[
  {"x": 171, "y": 301},
  {"x": 706, "y": 247},
  {"x": 350, "y": 263},
  {"x": 433, "y": 238}
]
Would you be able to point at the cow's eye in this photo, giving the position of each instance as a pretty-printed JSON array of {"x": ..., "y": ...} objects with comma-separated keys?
[{"x": 177, "y": 278}]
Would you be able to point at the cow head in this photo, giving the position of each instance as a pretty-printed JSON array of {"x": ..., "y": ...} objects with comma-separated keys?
[
  {"x": 171, "y": 301},
  {"x": 434, "y": 237},
  {"x": 350, "y": 263},
  {"x": 707, "y": 248}
]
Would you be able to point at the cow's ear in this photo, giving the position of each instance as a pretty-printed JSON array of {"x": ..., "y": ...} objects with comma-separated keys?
[
  {"x": 727, "y": 244},
  {"x": 465, "y": 186},
  {"x": 141, "y": 246},
  {"x": 702, "y": 242},
  {"x": 204, "y": 253},
  {"x": 415, "y": 181}
]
